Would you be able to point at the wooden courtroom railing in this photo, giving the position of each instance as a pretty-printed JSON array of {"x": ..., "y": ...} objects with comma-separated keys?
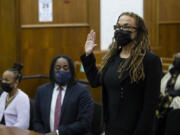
[
  {"x": 16, "y": 131},
  {"x": 45, "y": 77}
]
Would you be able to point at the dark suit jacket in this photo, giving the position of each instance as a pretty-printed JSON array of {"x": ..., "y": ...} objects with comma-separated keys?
[
  {"x": 77, "y": 110},
  {"x": 140, "y": 99}
]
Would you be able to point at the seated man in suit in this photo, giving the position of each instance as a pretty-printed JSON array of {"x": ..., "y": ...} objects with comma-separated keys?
[{"x": 63, "y": 106}]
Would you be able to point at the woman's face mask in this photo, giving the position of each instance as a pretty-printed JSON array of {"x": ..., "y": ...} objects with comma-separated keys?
[
  {"x": 122, "y": 37},
  {"x": 6, "y": 87}
]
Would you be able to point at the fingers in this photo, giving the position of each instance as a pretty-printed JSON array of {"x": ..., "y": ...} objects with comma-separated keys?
[{"x": 91, "y": 36}]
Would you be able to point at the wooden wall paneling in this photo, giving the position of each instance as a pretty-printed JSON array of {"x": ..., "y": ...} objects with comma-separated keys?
[
  {"x": 40, "y": 46},
  {"x": 169, "y": 11},
  {"x": 30, "y": 86},
  {"x": 9, "y": 42},
  {"x": 18, "y": 30},
  {"x": 164, "y": 27},
  {"x": 29, "y": 11},
  {"x": 169, "y": 39},
  {"x": 73, "y": 12},
  {"x": 66, "y": 34},
  {"x": 40, "y": 42},
  {"x": 151, "y": 9},
  {"x": 86, "y": 9},
  {"x": 169, "y": 22},
  {"x": 95, "y": 92},
  {"x": 68, "y": 39},
  {"x": 148, "y": 17},
  {"x": 94, "y": 19}
]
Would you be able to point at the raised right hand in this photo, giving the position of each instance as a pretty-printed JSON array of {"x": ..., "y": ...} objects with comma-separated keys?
[{"x": 90, "y": 43}]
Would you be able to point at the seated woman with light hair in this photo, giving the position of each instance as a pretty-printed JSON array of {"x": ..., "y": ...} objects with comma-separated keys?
[{"x": 14, "y": 103}]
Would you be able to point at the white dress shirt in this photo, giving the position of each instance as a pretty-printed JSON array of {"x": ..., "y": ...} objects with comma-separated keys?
[{"x": 53, "y": 103}]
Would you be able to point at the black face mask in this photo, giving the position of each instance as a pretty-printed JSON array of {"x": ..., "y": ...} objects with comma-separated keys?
[
  {"x": 6, "y": 87},
  {"x": 122, "y": 37}
]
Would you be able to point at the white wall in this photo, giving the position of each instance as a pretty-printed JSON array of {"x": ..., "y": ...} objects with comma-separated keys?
[{"x": 110, "y": 11}]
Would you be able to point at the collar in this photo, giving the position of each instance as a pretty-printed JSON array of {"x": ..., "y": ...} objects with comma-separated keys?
[{"x": 56, "y": 86}]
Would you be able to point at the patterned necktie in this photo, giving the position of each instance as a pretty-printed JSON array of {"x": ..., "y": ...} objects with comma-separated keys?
[{"x": 57, "y": 113}]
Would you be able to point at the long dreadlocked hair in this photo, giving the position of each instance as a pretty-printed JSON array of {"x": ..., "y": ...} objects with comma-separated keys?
[{"x": 134, "y": 64}]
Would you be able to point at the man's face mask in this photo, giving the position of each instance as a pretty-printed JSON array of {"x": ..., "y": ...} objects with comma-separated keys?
[
  {"x": 122, "y": 37},
  {"x": 62, "y": 77},
  {"x": 6, "y": 87}
]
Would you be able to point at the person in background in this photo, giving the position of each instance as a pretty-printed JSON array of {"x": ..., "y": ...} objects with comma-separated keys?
[
  {"x": 63, "y": 106},
  {"x": 14, "y": 103},
  {"x": 170, "y": 95},
  {"x": 130, "y": 76}
]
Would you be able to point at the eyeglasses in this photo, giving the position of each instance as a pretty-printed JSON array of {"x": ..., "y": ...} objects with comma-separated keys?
[{"x": 124, "y": 27}]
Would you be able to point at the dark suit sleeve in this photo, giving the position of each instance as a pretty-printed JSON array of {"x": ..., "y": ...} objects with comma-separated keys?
[
  {"x": 89, "y": 64},
  {"x": 83, "y": 123},
  {"x": 37, "y": 122},
  {"x": 153, "y": 71}
]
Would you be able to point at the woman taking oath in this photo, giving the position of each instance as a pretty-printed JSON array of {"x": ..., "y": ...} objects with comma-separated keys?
[{"x": 130, "y": 76}]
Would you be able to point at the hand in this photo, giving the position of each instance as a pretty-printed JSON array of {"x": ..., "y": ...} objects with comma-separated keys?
[
  {"x": 90, "y": 45},
  {"x": 51, "y": 133}
]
